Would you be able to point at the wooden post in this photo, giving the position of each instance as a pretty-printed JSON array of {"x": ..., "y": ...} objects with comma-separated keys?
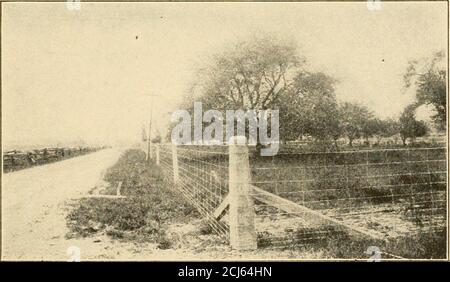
[
  {"x": 242, "y": 214},
  {"x": 175, "y": 163},
  {"x": 118, "y": 188},
  {"x": 157, "y": 154},
  {"x": 151, "y": 151}
]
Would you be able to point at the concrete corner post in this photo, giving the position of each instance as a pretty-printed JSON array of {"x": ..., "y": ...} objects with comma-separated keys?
[
  {"x": 242, "y": 214},
  {"x": 175, "y": 163}
]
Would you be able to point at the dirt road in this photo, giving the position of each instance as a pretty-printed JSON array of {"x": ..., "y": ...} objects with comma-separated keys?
[
  {"x": 34, "y": 205},
  {"x": 36, "y": 201}
]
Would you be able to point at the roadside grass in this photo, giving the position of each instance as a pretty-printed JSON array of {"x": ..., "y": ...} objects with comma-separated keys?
[{"x": 144, "y": 215}]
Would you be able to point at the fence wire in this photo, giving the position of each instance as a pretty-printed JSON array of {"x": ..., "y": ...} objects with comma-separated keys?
[
  {"x": 316, "y": 197},
  {"x": 389, "y": 193},
  {"x": 202, "y": 178}
]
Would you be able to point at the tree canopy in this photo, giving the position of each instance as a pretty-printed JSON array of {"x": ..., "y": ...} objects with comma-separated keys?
[
  {"x": 429, "y": 78},
  {"x": 409, "y": 126},
  {"x": 253, "y": 74},
  {"x": 269, "y": 74}
]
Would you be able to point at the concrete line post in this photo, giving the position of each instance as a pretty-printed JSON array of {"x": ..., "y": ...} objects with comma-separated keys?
[
  {"x": 157, "y": 154},
  {"x": 242, "y": 214},
  {"x": 175, "y": 163}
]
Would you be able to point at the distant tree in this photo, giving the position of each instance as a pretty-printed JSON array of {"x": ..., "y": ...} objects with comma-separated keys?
[
  {"x": 388, "y": 128},
  {"x": 382, "y": 128},
  {"x": 421, "y": 129},
  {"x": 409, "y": 126},
  {"x": 309, "y": 107},
  {"x": 429, "y": 77},
  {"x": 373, "y": 127},
  {"x": 354, "y": 121},
  {"x": 157, "y": 139}
]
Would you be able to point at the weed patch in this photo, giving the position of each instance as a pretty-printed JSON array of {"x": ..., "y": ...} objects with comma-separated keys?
[{"x": 149, "y": 207}]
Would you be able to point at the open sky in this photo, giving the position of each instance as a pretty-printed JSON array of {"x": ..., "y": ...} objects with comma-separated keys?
[{"x": 71, "y": 75}]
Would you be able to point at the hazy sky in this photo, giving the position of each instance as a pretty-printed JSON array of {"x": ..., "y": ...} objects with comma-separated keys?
[{"x": 72, "y": 75}]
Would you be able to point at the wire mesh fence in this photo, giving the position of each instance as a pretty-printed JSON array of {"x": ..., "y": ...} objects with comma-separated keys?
[
  {"x": 202, "y": 173},
  {"x": 384, "y": 194},
  {"x": 306, "y": 198}
]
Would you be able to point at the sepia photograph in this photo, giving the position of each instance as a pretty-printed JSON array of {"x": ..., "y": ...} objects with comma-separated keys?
[{"x": 224, "y": 131}]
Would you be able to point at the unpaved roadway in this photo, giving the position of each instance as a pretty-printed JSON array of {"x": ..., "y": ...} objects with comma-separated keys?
[{"x": 34, "y": 205}]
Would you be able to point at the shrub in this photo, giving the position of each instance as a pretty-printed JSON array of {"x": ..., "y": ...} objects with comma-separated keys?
[{"x": 164, "y": 243}]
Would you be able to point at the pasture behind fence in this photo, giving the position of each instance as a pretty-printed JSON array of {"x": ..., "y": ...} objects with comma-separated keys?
[
  {"x": 299, "y": 198},
  {"x": 381, "y": 194}
]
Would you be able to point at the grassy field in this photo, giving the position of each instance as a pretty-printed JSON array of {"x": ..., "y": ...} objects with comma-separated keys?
[{"x": 398, "y": 195}]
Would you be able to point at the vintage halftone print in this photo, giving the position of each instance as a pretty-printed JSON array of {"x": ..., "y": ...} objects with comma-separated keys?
[{"x": 224, "y": 131}]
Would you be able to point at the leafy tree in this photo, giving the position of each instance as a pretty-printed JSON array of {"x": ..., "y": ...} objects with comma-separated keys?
[
  {"x": 391, "y": 127},
  {"x": 354, "y": 119},
  {"x": 373, "y": 127},
  {"x": 429, "y": 77},
  {"x": 409, "y": 126},
  {"x": 309, "y": 108},
  {"x": 387, "y": 128},
  {"x": 382, "y": 128},
  {"x": 252, "y": 74}
]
